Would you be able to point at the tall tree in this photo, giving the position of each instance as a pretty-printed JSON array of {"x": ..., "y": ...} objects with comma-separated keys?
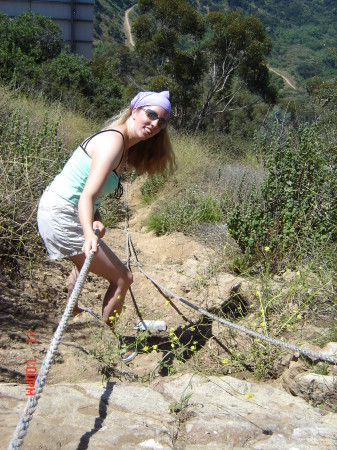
[{"x": 236, "y": 49}]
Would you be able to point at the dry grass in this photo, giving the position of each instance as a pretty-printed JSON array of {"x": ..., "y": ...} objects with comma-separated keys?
[{"x": 36, "y": 139}]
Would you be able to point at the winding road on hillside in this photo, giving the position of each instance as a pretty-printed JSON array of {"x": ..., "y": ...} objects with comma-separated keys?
[
  {"x": 127, "y": 28},
  {"x": 285, "y": 79}
]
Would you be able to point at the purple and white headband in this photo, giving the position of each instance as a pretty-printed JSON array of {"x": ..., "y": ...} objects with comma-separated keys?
[{"x": 152, "y": 98}]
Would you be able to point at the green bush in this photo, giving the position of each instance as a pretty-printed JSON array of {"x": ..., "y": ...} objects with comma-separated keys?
[
  {"x": 297, "y": 200},
  {"x": 30, "y": 36},
  {"x": 31, "y": 58}
]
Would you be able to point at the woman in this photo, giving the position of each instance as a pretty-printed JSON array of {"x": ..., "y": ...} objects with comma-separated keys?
[{"x": 68, "y": 210}]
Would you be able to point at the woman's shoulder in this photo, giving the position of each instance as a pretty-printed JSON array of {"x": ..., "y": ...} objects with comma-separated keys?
[
  {"x": 107, "y": 139},
  {"x": 114, "y": 134},
  {"x": 112, "y": 131}
]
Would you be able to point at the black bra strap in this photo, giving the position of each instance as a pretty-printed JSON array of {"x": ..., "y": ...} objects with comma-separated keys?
[{"x": 86, "y": 141}]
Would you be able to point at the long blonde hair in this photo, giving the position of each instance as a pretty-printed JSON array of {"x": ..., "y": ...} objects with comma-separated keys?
[{"x": 155, "y": 155}]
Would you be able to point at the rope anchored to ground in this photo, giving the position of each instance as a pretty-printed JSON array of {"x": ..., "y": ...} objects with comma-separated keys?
[{"x": 254, "y": 334}]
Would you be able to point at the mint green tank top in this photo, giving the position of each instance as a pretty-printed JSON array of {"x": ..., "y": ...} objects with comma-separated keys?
[{"x": 70, "y": 182}]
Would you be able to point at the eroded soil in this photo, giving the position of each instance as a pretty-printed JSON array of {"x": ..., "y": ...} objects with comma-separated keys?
[{"x": 88, "y": 350}]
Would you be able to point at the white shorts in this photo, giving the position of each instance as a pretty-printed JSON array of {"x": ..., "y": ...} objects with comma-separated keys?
[{"x": 59, "y": 226}]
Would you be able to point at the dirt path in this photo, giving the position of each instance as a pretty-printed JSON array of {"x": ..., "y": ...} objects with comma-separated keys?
[
  {"x": 285, "y": 78},
  {"x": 186, "y": 267},
  {"x": 127, "y": 28}
]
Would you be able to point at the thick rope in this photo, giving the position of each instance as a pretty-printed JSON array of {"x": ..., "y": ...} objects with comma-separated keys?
[
  {"x": 22, "y": 426},
  {"x": 294, "y": 348}
]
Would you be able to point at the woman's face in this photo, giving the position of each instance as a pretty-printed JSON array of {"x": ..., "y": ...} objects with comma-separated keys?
[{"x": 150, "y": 120}]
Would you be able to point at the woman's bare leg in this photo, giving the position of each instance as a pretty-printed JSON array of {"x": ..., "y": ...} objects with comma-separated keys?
[{"x": 107, "y": 265}]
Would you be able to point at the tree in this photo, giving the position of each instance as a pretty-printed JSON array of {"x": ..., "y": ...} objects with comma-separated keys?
[
  {"x": 26, "y": 41},
  {"x": 236, "y": 47},
  {"x": 113, "y": 61},
  {"x": 37, "y": 36},
  {"x": 200, "y": 57},
  {"x": 168, "y": 36},
  {"x": 6, "y": 48},
  {"x": 68, "y": 77}
]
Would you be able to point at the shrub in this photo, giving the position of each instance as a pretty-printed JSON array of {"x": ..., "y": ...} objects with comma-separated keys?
[
  {"x": 29, "y": 158},
  {"x": 31, "y": 37},
  {"x": 297, "y": 199}
]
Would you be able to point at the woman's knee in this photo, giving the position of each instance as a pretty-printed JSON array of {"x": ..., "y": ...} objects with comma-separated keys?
[{"x": 123, "y": 280}]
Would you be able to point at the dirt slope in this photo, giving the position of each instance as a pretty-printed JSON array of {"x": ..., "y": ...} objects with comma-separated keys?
[{"x": 175, "y": 261}]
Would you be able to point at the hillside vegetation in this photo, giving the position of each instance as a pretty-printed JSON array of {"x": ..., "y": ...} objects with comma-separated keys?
[
  {"x": 303, "y": 32},
  {"x": 266, "y": 216}
]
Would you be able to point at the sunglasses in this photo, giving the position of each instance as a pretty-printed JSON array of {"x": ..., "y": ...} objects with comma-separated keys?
[{"x": 152, "y": 115}]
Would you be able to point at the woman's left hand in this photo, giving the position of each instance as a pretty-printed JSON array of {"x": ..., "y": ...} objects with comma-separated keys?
[{"x": 98, "y": 224}]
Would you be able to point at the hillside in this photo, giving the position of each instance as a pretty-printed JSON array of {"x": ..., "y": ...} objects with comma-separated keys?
[
  {"x": 302, "y": 31},
  {"x": 108, "y": 20}
]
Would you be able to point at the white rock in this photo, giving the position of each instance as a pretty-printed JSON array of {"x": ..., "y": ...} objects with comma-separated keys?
[{"x": 125, "y": 416}]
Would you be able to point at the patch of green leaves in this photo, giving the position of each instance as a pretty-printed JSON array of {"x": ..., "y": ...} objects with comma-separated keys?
[
  {"x": 296, "y": 201},
  {"x": 151, "y": 187}
]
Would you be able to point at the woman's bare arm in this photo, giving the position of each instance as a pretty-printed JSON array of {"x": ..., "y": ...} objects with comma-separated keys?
[{"x": 106, "y": 152}]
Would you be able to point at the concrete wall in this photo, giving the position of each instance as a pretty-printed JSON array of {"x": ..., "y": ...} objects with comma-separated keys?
[{"x": 75, "y": 17}]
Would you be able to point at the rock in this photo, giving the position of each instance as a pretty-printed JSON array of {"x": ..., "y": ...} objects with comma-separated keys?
[
  {"x": 288, "y": 377},
  {"x": 212, "y": 412},
  {"x": 330, "y": 349},
  {"x": 317, "y": 388},
  {"x": 315, "y": 349}
]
